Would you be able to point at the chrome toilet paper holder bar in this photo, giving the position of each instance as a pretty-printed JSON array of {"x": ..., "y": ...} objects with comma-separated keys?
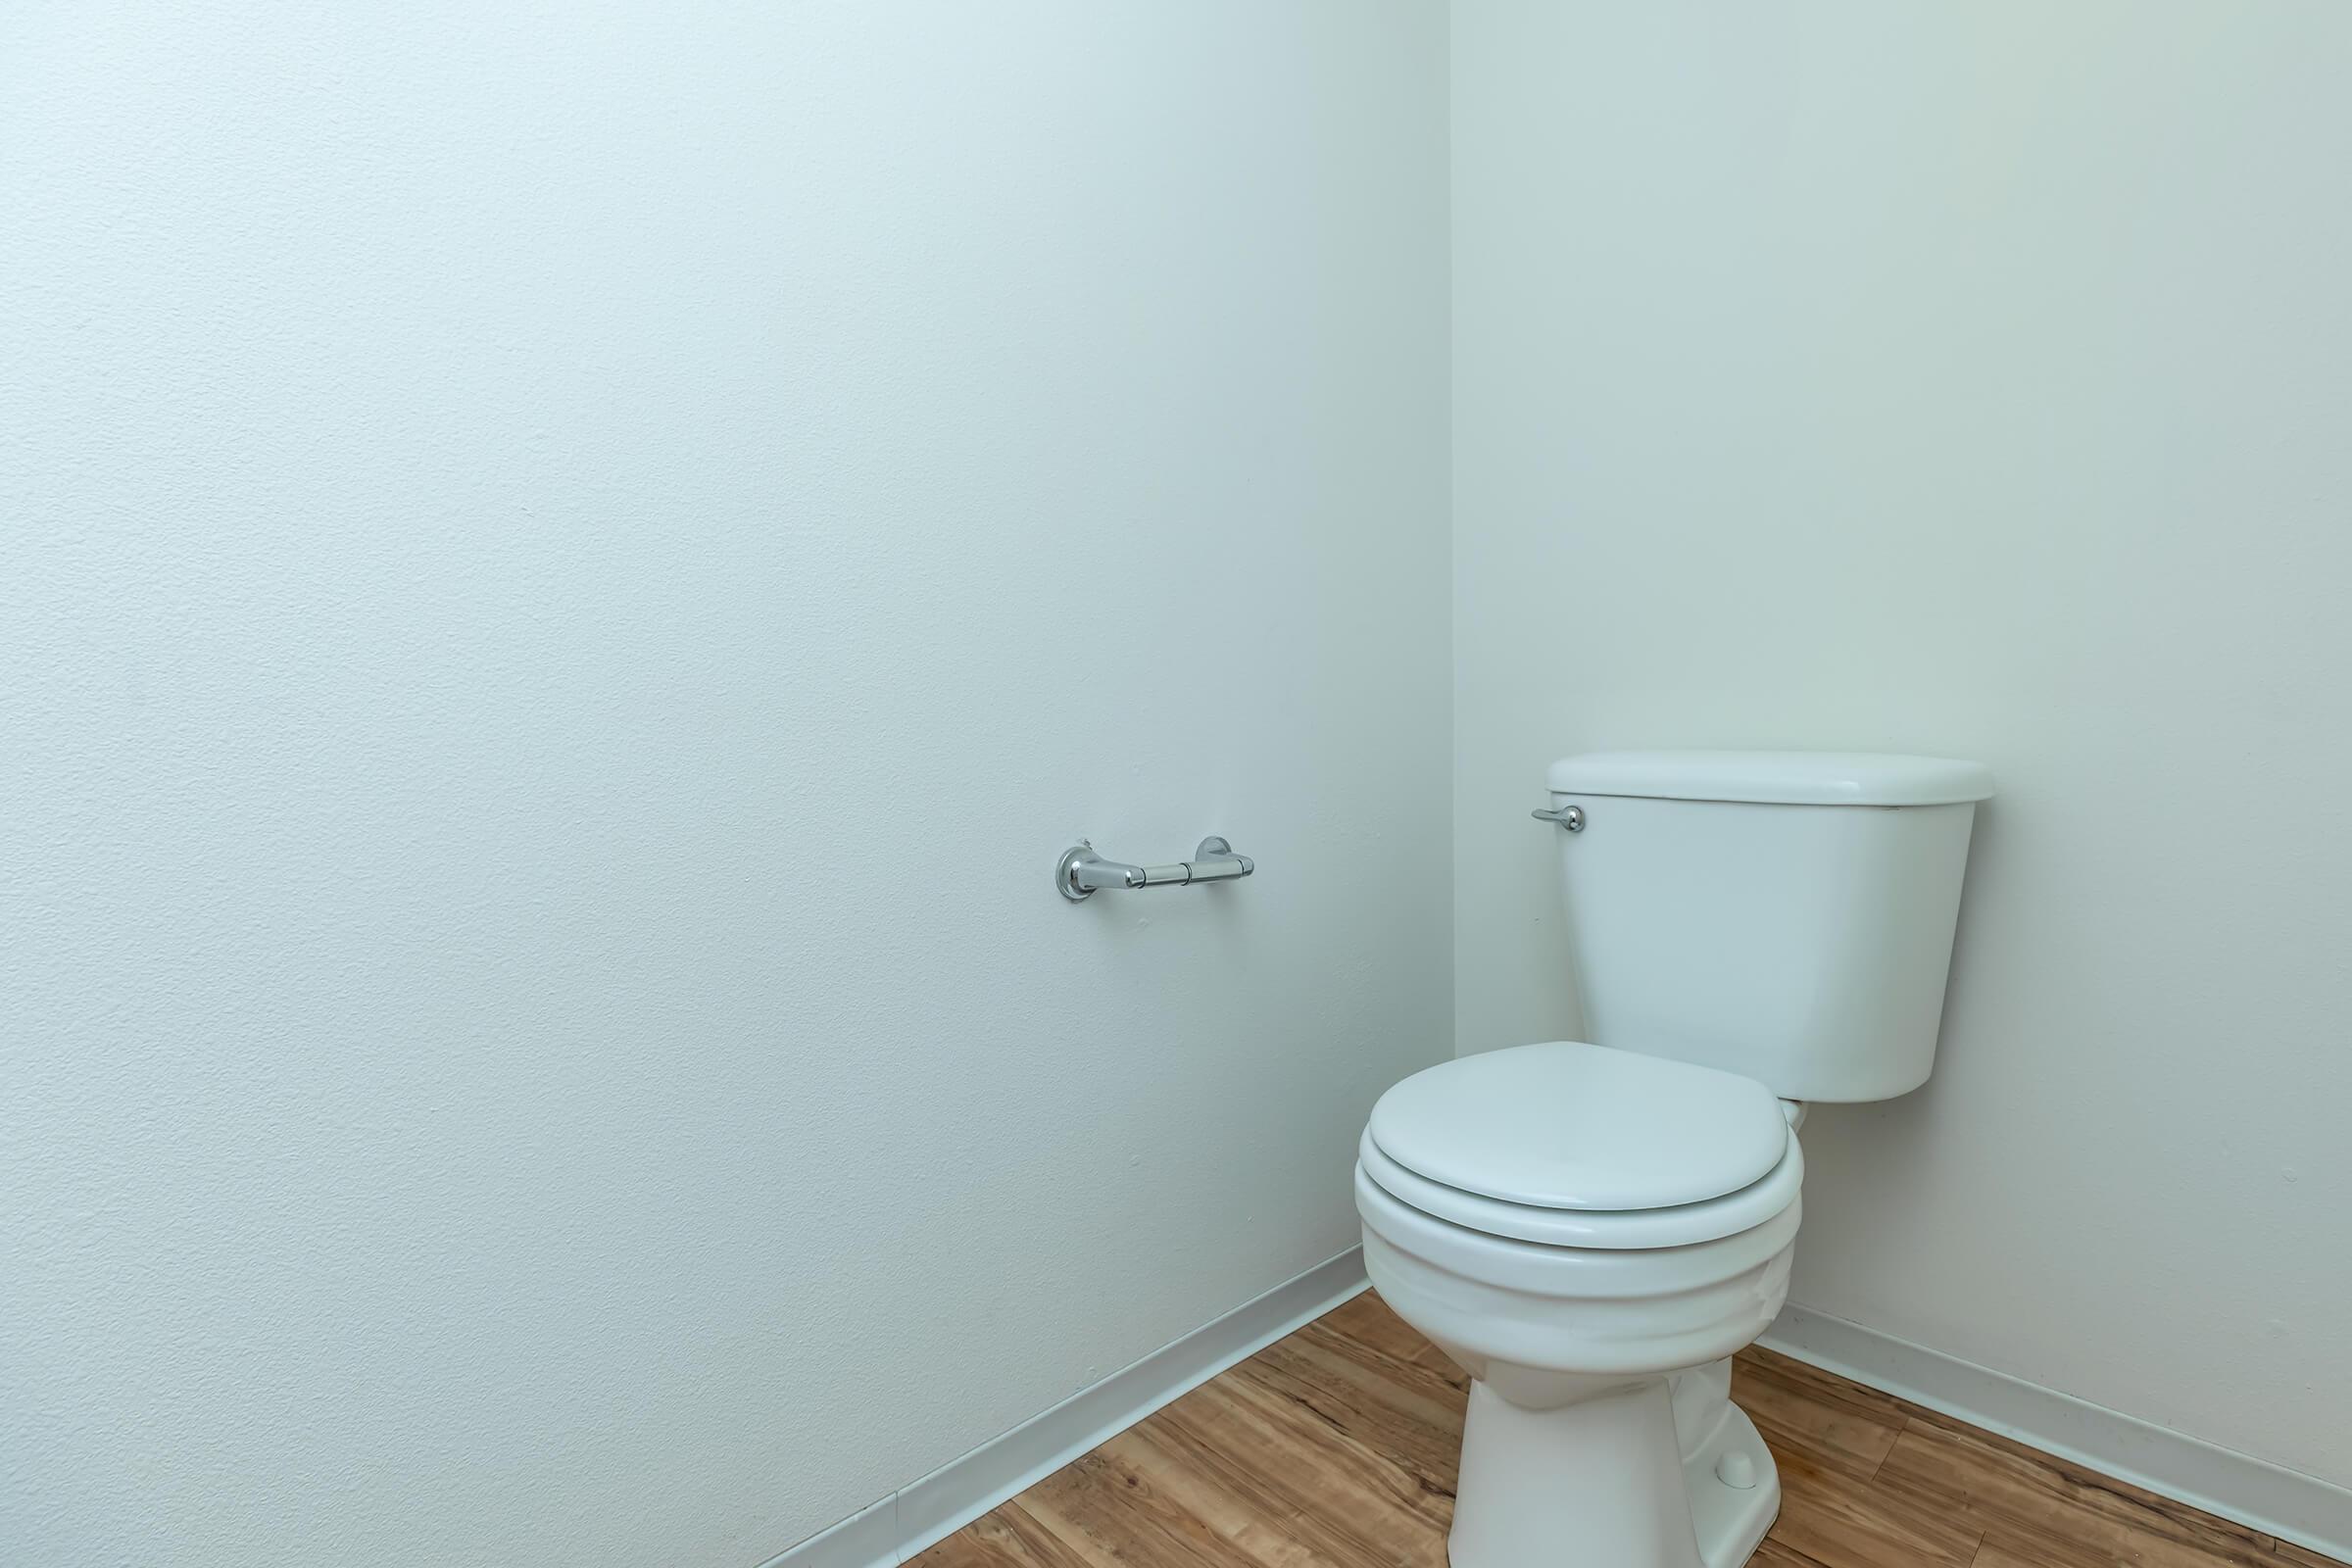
[{"x": 1080, "y": 874}]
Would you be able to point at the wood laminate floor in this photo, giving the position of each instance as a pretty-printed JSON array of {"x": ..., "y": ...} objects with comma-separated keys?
[{"x": 1336, "y": 1447}]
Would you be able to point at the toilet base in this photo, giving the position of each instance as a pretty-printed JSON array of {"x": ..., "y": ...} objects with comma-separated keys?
[
  {"x": 1729, "y": 1521},
  {"x": 1606, "y": 1478}
]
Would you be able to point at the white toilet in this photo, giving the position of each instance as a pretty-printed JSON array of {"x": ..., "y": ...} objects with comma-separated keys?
[{"x": 1592, "y": 1230}]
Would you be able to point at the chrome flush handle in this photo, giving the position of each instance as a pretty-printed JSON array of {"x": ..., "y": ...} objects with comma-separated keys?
[{"x": 1571, "y": 817}]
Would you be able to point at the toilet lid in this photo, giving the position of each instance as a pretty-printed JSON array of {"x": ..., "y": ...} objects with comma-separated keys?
[{"x": 1572, "y": 1126}]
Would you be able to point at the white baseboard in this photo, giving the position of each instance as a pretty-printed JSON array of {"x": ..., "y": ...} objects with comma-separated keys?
[
  {"x": 887, "y": 1533},
  {"x": 2254, "y": 1493}
]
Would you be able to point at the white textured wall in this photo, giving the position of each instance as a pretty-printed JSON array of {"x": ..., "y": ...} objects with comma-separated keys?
[
  {"x": 566, "y": 573},
  {"x": 1972, "y": 379}
]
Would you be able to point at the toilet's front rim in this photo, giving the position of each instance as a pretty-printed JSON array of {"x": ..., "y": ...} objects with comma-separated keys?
[{"x": 1545, "y": 1325}]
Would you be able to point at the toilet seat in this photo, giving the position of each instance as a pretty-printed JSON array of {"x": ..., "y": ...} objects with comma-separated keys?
[
  {"x": 1568, "y": 1125},
  {"x": 1628, "y": 1230},
  {"x": 1573, "y": 1145}
]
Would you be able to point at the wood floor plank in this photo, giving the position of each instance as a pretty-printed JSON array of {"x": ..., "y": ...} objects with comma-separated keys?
[
  {"x": 1337, "y": 1448},
  {"x": 2110, "y": 1546},
  {"x": 1773, "y": 1554},
  {"x": 2222, "y": 1532},
  {"x": 1392, "y": 1411},
  {"x": 1006, "y": 1537},
  {"x": 1351, "y": 1474},
  {"x": 2037, "y": 1505},
  {"x": 1258, "y": 1530},
  {"x": 1448, "y": 1387},
  {"x": 1108, "y": 1511},
  {"x": 1827, "y": 1388},
  {"x": 1830, "y": 1517},
  {"x": 1262, "y": 1518},
  {"x": 968, "y": 1547},
  {"x": 1367, "y": 1319},
  {"x": 1829, "y": 1424},
  {"x": 1341, "y": 1496}
]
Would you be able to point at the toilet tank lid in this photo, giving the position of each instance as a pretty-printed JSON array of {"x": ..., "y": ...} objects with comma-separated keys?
[{"x": 1782, "y": 778}]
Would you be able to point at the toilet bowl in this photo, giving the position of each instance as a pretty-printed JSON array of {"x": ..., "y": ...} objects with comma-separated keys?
[{"x": 1600, "y": 1428}]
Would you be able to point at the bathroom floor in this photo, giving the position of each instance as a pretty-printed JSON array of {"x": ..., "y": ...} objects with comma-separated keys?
[{"x": 1336, "y": 1447}]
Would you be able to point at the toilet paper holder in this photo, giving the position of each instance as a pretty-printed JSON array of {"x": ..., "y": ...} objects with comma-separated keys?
[{"x": 1080, "y": 874}]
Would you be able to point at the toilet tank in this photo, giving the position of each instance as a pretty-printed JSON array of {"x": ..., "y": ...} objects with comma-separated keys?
[{"x": 1785, "y": 916}]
